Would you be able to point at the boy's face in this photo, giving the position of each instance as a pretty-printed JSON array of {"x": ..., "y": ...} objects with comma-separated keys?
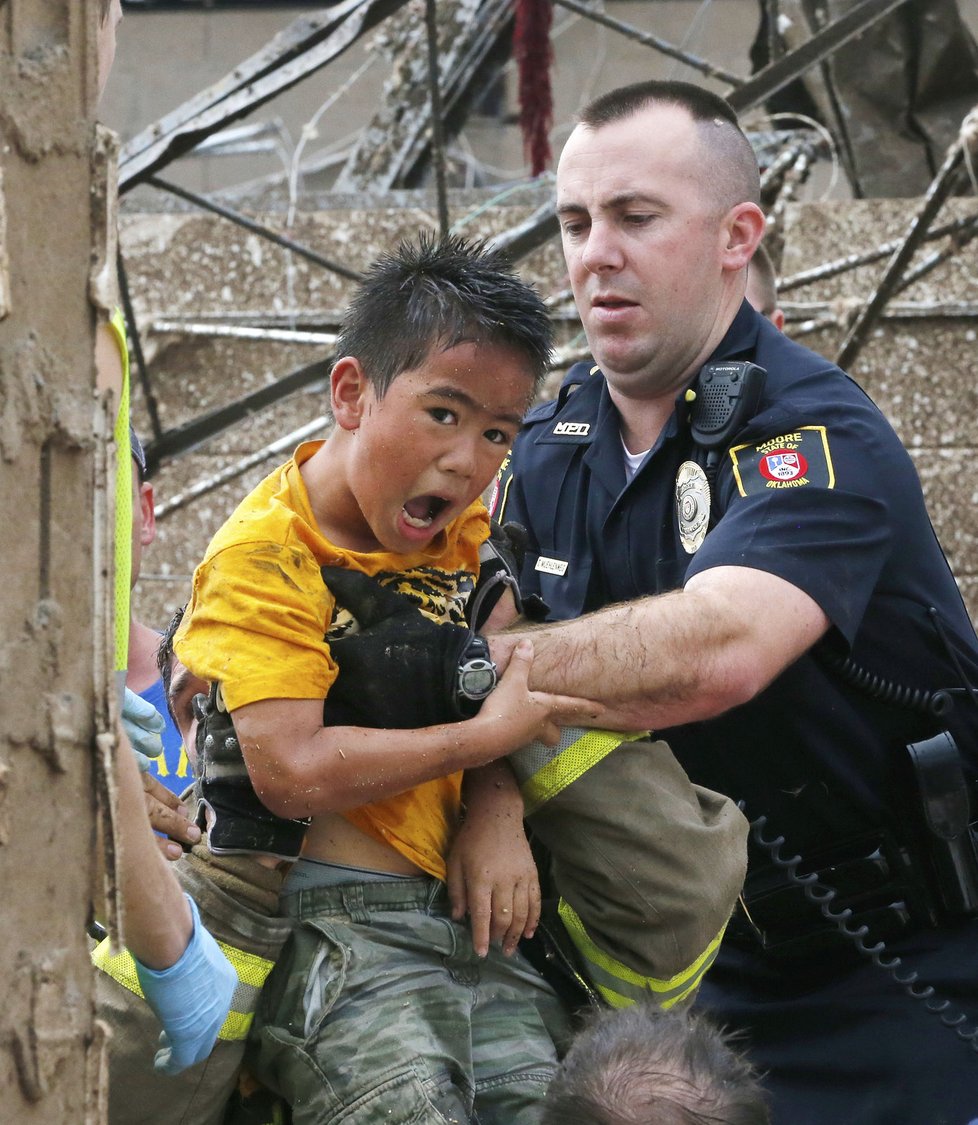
[{"x": 427, "y": 449}]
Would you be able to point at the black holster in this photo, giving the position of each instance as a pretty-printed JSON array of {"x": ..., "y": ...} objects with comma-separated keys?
[
  {"x": 927, "y": 878},
  {"x": 946, "y": 828}
]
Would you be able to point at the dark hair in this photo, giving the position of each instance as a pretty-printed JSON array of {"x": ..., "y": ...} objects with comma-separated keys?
[
  {"x": 437, "y": 294},
  {"x": 735, "y": 175},
  {"x": 165, "y": 655},
  {"x": 138, "y": 453},
  {"x": 702, "y": 105},
  {"x": 646, "y": 1066}
]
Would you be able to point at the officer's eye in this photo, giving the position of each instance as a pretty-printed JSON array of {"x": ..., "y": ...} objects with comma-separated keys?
[{"x": 573, "y": 227}]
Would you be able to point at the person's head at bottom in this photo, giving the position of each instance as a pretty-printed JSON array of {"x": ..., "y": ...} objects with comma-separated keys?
[{"x": 645, "y": 1066}]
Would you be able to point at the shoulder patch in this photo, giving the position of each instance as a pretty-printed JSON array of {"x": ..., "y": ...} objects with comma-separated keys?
[{"x": 790, "y": 460}]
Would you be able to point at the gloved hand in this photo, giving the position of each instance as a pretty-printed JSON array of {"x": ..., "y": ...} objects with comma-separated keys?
[
  {"x": 399, "y": 671},
  {"x": 144, "y": 726},
  {"x": 191, "y": 999},
  {"x": 228, "y": 806}
]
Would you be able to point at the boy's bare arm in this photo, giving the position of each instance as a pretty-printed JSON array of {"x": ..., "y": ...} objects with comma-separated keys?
[
  {"x": 492, "y": 876},
  {"x": 300, "y": 768}
]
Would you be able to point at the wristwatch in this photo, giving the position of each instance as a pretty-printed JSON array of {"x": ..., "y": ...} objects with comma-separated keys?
[{"x": 476, "y": 675}]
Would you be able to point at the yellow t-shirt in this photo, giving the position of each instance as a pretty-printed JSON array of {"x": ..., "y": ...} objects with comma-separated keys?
[{"x": 260, "y": 614}]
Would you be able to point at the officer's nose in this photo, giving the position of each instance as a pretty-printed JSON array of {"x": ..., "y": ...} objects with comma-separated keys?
[{"x": 602, "y": 251}]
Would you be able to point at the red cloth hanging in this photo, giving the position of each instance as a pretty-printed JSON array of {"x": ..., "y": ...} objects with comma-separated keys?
[{"x": 533, "y": 54}]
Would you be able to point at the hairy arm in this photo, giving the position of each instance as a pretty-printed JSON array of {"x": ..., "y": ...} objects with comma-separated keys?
[
  {"x": 300, "y": 768},
  {"x": 679, "y": 657}
]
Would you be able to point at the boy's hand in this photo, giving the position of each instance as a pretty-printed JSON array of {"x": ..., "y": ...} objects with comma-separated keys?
[
  {"x": 519, "y": 715},
  {"x": 491, "y": 873}
]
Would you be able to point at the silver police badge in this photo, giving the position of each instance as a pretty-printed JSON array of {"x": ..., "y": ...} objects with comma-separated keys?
[{"x": 692, "y": 505}]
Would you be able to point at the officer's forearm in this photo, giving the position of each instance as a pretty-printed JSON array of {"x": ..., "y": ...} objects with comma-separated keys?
[
  {"x": 678, "y": 657},
  {"x": 632, "y": 667}
]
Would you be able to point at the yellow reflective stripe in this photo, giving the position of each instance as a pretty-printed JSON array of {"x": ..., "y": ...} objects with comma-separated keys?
[
  {"x": 252, "y": 972},
  {"x": 620, "y": 985},
  {"x": 236, "y": 1026},
  {"x": 571, "y": 763},
  {"x": 123, "y": 501}
]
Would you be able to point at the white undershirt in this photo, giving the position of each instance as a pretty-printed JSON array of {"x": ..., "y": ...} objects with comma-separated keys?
[{"x": 632, "y": 460}]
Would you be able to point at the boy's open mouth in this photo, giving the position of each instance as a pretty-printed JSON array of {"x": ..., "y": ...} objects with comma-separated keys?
[{"x": 422, "y": 511}]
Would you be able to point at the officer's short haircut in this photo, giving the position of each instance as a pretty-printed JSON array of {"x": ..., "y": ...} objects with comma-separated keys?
[
  {"x": 643, "y": 1064},
  {"x": 730, "y": 165},
  {"x": 436, "y": 294}
]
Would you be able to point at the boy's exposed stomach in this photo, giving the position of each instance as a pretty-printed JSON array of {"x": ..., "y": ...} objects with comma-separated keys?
[{"x": 333, "y": 839}]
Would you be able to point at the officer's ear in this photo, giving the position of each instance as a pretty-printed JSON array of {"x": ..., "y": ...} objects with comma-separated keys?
[
  {"x": 742, "y": 229},
  {"x": 348, "y": 385}
]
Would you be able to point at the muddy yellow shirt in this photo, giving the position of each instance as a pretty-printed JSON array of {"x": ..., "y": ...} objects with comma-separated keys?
[{"x": 259, "y": 618}]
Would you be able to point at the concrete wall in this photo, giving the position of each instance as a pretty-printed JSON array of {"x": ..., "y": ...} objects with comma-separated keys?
[
  {"x": 49, "y": 1044},
  {"x": 921, "y": 371}
]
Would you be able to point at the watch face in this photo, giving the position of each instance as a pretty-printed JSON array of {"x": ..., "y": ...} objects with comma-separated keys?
[{"x": 477, "y": 678}]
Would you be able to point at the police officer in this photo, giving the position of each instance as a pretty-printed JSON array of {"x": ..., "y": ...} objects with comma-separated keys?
[{"x": 745, "y": 544}]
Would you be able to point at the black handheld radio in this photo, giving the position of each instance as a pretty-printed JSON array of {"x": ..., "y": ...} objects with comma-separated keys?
[{"x": 727, "y": 395}]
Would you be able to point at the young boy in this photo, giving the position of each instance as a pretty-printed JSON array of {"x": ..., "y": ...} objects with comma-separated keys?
[{"x": 383, "y": 1009}]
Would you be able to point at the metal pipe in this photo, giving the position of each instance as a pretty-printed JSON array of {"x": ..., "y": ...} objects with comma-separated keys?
[
  {"x": 208, "y": 484},
  {"x": 938, "y": 191},
  {"x": 437, "y": 132},
  {"x": 256, "y": 228}
]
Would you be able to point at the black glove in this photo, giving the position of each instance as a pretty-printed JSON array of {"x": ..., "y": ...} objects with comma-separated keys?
[
  {"x": 239, "y": 821},
  {"x": 400, "y": 671},
  {"x": 501, "y": 559}
]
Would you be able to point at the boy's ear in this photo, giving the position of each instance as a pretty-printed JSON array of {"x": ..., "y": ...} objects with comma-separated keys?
[{"x": 348, "y": 388}]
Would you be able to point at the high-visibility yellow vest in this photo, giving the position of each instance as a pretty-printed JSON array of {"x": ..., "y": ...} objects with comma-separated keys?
[
  {"x": 252, "y": 971},
  {"x": 123, "y": 503}
]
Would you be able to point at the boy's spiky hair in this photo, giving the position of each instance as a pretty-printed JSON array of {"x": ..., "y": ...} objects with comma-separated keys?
[{"x": 437, "y": 293}]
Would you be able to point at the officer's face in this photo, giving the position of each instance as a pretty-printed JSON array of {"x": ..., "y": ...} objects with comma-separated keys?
[
  {"x": 419, "y": 456},
  {"x": 643, "y": 241}
]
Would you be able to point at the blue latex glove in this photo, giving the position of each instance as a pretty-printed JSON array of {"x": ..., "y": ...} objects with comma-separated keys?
[
  {"x": 191, "y": 999},
  {"x": 144, "y": 725}
]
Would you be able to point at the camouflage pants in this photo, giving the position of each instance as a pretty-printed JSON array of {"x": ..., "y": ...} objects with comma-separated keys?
[{"x": 380, "y": 1011}]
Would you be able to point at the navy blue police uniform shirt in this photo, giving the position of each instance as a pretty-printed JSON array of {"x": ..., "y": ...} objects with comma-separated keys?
[{"x": 816, "y": 489}]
